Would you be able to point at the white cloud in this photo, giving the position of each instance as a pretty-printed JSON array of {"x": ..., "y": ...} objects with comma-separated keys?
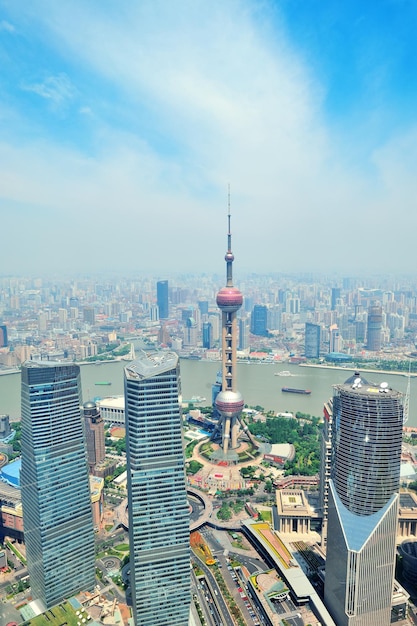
[
  {"x": 57, "y": 89},
  {"x": 227, "y": 99},
  {"x": 7, "y": 26}
]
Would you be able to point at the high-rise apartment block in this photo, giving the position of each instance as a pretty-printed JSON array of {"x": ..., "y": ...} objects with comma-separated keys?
[
  {"x": 363, "y": 502},
  {"x": 312, "y": 341},
  {"x": 162, "y": 299},
  {"x": 56, "y": 499},
  {"x": 374, "y": 328},
  {"x": 335, "y": 339},
  {"x": 243, "y": 333},
  {"x": 159, "y": 526},
  {"x": 89, "y": 315}
]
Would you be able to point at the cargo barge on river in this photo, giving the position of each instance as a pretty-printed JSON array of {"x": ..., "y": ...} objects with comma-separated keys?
[{"x": 305, "y": 392}]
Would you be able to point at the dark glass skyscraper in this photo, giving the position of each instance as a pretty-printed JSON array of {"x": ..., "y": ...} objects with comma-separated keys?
[
  {"x": 259, "y": 320},
  {"x": 207, "y": 335},
  {"x": 335, "y": 297},
  {"x": 162, "y": 299},
  {"x": 3, "y": 336},
  {"x": 56, "y": 501},
  {"x": 159, "y": 523},
  {"x": 94, "y": 433},
  {"x": 363, "y": 502}
]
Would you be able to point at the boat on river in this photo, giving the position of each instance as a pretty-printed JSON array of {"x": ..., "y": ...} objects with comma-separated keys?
[
  {"x": 283, "y": 373},
  {"x": 305, "y": 392},
  {"x": 103, "y": 382}
]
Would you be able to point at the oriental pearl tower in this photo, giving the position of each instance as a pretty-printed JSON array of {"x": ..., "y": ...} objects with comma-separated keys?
[{"x": 229, "y": 401}]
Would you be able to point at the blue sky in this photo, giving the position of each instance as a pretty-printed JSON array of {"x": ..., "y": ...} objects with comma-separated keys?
[{"x": 121, "y": 125}]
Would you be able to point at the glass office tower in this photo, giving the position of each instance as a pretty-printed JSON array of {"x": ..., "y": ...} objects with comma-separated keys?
[
  {"x": 159, "y": 522},
  {"x": 162, "y": 299},
  {"x": 57, "y": 516},
  {"x": 363, "y": 502}
]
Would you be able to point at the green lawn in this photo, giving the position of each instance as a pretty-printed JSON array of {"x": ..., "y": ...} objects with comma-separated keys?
[
  {"x": 122, "y": 547},
  {"x": 63, "y": 614}
]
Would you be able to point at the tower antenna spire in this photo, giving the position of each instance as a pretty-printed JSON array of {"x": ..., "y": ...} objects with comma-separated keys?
[
  {"x": 229, "y": 258},
  {"x": 229, "y": 234}
]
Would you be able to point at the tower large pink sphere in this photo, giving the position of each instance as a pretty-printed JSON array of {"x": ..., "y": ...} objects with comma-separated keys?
[{"x": 229, "y": 299}]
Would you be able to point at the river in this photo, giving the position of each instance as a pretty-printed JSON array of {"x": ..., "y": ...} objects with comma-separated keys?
[{"x": 256, "y": 382}]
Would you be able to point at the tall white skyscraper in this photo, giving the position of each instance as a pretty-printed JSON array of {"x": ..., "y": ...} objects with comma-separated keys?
[{"x": 159, "y": 523}]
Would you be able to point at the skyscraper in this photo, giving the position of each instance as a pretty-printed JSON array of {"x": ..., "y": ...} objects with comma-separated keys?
[
  {"x": 207, "y": 335},
  {"x": 312, "y": 340},
  {"x": 335, "y": 297},
  {"x": 374, "y": 328},
  {"x": 259, "y": 320},
  {"x": 94, "y": 434},
  {"x": 363, "y": 502},
  {"x": 243, "y": 333},
  {"x": 229, "y": 402},
  {"x": 3, "y": 336},
  {"x": 56, "y": 500},
  {"x": 159, "y": 524},
  {"x": 162, "y": 299}
]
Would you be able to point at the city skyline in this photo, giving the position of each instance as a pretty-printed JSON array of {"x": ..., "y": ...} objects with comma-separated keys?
[{"x": 110, "y": 117}]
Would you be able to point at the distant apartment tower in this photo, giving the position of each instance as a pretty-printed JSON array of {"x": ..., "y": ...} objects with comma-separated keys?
[
  {"x": 3, "y": 336},
  {"x": 43, "y": 319},
  {"x": 214, "y": 320},
  {"x": 159, "y": 527},
  {"x": 154, "y": 313},
  {"x": 274, "y": 317},
  {"x": 335, "y": 339},
  {"x": 56, "y": 499},
  {"x": 62, "y": 318},
  {"x": 5, "y": 428},
  {"x": 363, "y": 502},
  {"x": 374, "y": 328},
  {"x": 94, "y": 434},
  {"x": 190, "y": 333},
  {"x": 259, "y": 320},
  {"x": 162, "y": 299},
  {"x": 312, "y": 340},
  {"x": 293, "y": 305},
  {"x": 89, "y": 315},
  {"x": 203, "y": 307}
]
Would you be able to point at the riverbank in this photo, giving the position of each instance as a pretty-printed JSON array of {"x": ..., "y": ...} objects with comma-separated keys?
[
  {"x": 355, "y": 369},
  {"x": 12, "y": 371}
]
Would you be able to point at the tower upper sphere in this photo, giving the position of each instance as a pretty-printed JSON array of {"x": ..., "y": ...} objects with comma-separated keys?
[{"x": 229, "y": 299}]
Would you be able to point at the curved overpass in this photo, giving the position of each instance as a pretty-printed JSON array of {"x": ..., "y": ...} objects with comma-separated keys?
[{"x": 122, "y": 516}]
